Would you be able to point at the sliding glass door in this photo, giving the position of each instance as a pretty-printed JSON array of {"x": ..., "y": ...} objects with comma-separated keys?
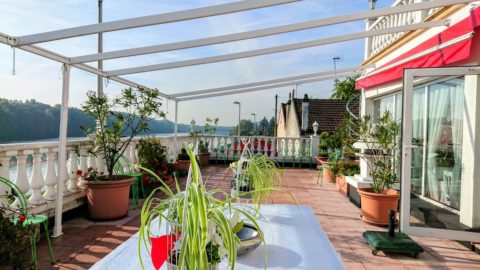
[{"x": 433, "y": 155}]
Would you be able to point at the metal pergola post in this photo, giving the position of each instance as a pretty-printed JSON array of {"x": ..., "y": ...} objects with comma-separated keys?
[
  {"x": 175, "y": 127},
  {"x": 62, "y": 152}
]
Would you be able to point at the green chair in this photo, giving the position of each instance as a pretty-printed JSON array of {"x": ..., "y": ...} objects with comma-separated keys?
[
  {"x": 120, "y": 170},
  {"x": 333, "y": 157},
  {"x": 30, "y": 220}
]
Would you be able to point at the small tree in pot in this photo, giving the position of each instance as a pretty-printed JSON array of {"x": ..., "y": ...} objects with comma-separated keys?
[
  {"x": 203, "y": 145},
  {"x": 118, "y": 120},
  {"x": 382, "y": 145}
]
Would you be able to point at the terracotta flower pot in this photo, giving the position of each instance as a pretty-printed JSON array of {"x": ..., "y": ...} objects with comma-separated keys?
[
  {"x": 203, "y": 159},
  {"x": 109, "y": 199},
  {"x": 375, "y": 206},
  {"x": 183, "y": 165},
  {"x": 328, "y": 175},
  {"x": 319, "y": 160},
  {"x": 341, "y": 184}
]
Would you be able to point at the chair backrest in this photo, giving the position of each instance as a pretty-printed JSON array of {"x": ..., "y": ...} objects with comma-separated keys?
[
  {"x": 334, "y": 156},
  {"x": 17, "y": 193},
  {"x": 119, "y": 168}
]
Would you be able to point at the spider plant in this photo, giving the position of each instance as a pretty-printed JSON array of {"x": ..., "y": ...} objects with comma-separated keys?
[
  {"x": 258, "y": 177},
  {"x": 201, "y": 219}
]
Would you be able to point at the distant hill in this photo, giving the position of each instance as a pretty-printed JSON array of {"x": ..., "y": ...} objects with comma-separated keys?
[{"x": 31, "y": 120}]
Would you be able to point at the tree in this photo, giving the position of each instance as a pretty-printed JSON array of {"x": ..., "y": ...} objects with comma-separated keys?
[
  {"x": 345, "y": 90},
  {"x": 246, "y": 128}
]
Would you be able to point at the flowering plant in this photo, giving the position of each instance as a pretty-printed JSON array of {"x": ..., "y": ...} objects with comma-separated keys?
[{"x": 90, "y": 174}]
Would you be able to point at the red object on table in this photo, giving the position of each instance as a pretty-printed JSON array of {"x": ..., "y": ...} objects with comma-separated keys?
[{"x": 161, "y": 247}]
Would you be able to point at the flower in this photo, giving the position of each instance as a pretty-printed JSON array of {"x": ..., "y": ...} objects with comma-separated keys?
[
  {"x": 21, "y": 218},
  {"x": 78, "y": 172}
]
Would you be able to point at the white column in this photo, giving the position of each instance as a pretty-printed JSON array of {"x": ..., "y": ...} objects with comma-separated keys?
[
  {"x": 470, "y": 184},
  {"x": 22, "y": 179},
  {"x": 314, "y": 142},
  {"x": 4, "y": 172},
  {"x": 50, "y": 176},
  {"x": 62, "y": 151},
  {"x": 175, "y": 128},
  {"x": 37, "y": 182}
]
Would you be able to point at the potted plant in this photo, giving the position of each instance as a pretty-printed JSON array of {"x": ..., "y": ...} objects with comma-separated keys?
[
  {"x": 203, "y": 229},
  {"x": 382, "y": 144},
  {"x": 209, "y": 129},
  {"x": 343, "y": 169},
  {"x": 183, "y": 161},
  {"x": 322, "y": 148},
  {"x": 152, "y": 154},
  {"x": 203, "y": 153},
  {"x": 118, "y": 120},
  {"x": 256, "y": 178}
]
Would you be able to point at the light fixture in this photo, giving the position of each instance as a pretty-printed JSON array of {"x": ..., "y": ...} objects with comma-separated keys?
[
  {"x": 315, "y": 128},
  {"x": 372, "y": 3}
]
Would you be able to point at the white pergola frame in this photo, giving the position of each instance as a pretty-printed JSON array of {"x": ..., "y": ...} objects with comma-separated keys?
[{"x": 27, "y": 42}]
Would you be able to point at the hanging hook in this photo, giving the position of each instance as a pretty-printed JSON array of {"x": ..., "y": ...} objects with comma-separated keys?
[
  {"x": 106, "y": 81},
  {"x": 14, "y": 72}
]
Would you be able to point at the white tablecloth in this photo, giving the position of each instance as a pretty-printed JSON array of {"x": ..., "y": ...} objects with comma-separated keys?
[{"x": 294, "y": 240}]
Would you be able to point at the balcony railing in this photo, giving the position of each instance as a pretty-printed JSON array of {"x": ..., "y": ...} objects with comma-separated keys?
[
  {"x": 282, "y": 150},
  {"x": 377, "y": 43},
  {"x": 34, "y": 166}
]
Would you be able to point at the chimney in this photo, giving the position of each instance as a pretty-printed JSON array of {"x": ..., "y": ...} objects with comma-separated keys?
[{"x": 305, "y": 103}]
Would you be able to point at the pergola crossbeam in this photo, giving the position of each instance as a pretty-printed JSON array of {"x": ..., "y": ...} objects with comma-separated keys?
[
  {"x": 149, "y": 20},
  {"x": 271, "y": 86},
  {"x": 259, "y": 33},
  {"x": 278, "y": 49},
  {"x": 267, "y": 82},
  {"x": 64, "y": 60}
]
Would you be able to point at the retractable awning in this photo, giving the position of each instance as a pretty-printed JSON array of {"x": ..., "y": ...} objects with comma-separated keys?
[{"x": 450, "y": 46}]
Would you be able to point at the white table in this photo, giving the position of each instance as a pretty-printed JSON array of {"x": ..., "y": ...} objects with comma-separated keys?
[{"x": 294, "y": 240}]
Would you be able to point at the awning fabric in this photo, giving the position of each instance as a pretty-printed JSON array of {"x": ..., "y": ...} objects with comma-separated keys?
[{"x": 451, "y": 48}]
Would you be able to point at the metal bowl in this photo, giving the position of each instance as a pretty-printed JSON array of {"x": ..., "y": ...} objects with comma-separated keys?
[{"x": 249, "y": 239}]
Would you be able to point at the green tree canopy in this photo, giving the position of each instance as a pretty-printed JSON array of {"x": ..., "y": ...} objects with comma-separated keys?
[{"x": 345, "y": 90}]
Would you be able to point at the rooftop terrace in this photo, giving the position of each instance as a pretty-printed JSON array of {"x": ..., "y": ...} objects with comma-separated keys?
[{"x": 85, "y": 242}]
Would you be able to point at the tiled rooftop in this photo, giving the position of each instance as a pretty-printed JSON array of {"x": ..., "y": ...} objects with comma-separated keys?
[{"x": 84, "y": 242}]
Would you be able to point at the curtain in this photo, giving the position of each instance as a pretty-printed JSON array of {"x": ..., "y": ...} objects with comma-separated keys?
[
  {"x": 437, "y": 110},
  {"x": 456, "y": 116},
  {"x": 418, "y": 111}
]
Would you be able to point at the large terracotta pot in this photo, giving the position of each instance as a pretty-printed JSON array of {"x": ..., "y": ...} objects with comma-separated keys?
[
  {"x": 319, "y": 160},
  {"x": 341, "y": 184},
  {"x": 203, "y": 159},
  {"x": 183, "y": 165},
  {"x": 376, "y": 206},
  {"x": 109, "y": 199},
  {"x": 328, "y": 175}
]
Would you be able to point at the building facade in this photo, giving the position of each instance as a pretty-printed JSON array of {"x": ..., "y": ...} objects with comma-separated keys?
[{"x": 438, "y": 109}]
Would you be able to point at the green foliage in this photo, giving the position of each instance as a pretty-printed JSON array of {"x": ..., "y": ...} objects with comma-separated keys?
[
  {"x": 211, "y": 126},
  {"x": 265, "y": 127},
  {"x": 347, "y": 168},
  {"x": 200, "y": 218},
  {"x": 203, "y": 146},
  {"x": 183, "y": 155},
  {"x": 382, "y": 142},
  {"x": 153, "y": 155},
  {"x": 345, "y": 90},
  {"x": 136, "y": 106},
  {"x": 15, "y": 245}
]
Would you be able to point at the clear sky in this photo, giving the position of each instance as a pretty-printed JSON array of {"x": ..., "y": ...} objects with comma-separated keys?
[{"x": 40, "y": 79}]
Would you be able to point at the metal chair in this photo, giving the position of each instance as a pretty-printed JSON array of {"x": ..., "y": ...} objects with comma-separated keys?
[
  {"x": 120, "y": 170},
  {"x": 333, "y": 157},
  {"x": 30, "y": 220}
]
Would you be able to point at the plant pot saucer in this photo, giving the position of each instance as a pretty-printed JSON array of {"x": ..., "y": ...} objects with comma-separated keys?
[{"x": 379, "y": 224}]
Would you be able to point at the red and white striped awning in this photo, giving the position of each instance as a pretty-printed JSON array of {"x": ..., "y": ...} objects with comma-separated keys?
[{"x": 450, "y": 46}]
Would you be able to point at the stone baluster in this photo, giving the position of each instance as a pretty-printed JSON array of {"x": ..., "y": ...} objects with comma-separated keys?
[
  {"x": 50, "y": 175},
  {"x": 66, "y": 179},
  {"x": 4, "y": 172},
  {"x": 92, "y": 161},
  {"x": 273, "y": 148},
  {"x": 294, "y": 148},
  {"x": 252, "y": 144},
  {"x": 83, "y": 166},
  {"x": 37, "y": 182},
  {"x": 21, "y": 179},
  {"x": 133, "y": 153},
  {"x": 72, "y": 185},
  {"x": 265, "y": 146}
]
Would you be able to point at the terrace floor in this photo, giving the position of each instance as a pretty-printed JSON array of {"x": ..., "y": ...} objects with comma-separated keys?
[{"x": 85, "y": 242}]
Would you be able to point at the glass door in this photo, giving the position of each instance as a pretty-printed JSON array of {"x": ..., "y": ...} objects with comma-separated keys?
[{"x": 438, "y": 197}]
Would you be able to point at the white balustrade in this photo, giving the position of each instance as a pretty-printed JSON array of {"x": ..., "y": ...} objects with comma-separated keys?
[
  {"x": 50, "y": 176},
  {"x": 21, "y": 179},
  {"x": 378, "y": 43},
  {"x": 72, "y": 185},
  {"x": 4, "y": 173},
  {"x": 37, "y": 182}
]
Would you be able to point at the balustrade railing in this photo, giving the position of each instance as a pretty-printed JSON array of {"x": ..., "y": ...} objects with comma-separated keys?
[
  {"x": 377, "y": 43},
  {"x": 228, "y": 148},
  {"x": 34, "y": 168}
]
